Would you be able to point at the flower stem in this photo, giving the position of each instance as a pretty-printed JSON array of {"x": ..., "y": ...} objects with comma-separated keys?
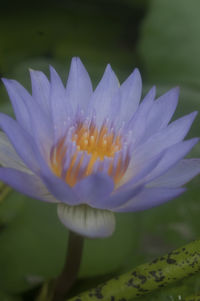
[{"x": 69, "y": 274}]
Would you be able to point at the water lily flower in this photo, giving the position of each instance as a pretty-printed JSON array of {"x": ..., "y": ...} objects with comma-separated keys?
[{"x": 94, "y": 152}]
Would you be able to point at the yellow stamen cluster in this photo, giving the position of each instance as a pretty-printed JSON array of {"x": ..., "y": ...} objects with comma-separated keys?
[{"x": 98, "y": 144}]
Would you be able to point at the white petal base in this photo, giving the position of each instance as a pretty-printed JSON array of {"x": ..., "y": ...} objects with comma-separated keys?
[{"x": 87, "y": 221}]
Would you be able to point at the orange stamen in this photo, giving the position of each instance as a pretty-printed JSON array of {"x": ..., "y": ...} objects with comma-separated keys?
[{"x": 98, "y": 145}]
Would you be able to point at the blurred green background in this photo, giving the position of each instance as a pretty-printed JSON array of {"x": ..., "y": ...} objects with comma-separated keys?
[{"x": 162, "y": 38}]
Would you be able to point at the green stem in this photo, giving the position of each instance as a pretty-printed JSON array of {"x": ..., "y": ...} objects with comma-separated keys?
[
  {"x": 148, "y": 277},
  {"x": 69, "y": 274}
]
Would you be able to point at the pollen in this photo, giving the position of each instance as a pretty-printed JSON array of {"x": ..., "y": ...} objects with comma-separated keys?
[
  {"x": 87, "y": 150},
  {"x": 99, "y": 144}
]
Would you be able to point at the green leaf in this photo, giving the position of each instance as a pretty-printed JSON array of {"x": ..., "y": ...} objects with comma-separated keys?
[{"x": 146, "y": 278}]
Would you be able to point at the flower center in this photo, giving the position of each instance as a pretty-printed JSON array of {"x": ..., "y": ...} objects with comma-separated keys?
[
  {"x": 99, "y": 144},
  {"x": 85, "y": 150}
]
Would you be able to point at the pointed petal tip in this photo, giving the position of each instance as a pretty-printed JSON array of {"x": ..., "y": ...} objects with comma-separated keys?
[
  {"x": 176, "y": 89},
  {"x": 195, "y": 113},
  {"x": 170, "y": 95},
  {"x": 181, "y": 190},
  {"x": 76, "y": 62},
  {"x": 191, "y": 117},
  {"x": 152, "y": 92},
  {"x": 135, "y": 76},
  {"x": 4, "y": 79},
  {"x": 136, "y": 72},
  {"x": 174, "y": 92},
  {"x": 150, "y": 96},
  {"x": 193, "y": 141},
  {"x": 75, "y": 58},
  {"x": 33, "y": 71},
  {"x": 53, "y": 72},
  {"x": 55, "y": 77},
  {"x": 52, "y": 69},
  {"x": 153, "y": 89},
  {"x": 7, "y": 81},
  {"x": 108, "y": 68},
  {"x": 196, "y": 140}
]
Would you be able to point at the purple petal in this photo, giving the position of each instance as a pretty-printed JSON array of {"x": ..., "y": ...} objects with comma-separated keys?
[
  {"x": 26, "y": 183},
  {"x": 79, "y": 86},
  {"x": 60, "y": 189},
  {"x": 102, "y": 96},
  {"x": 9, "y": 157},
  {"x": 94, "y": 188},
  {"x": 146, "y": 104},
  {"x": 149, "y": 198},
  {"x": 60, "y": 107},
  {"x": 28, "y": 151},
  {"x": 19, "y": 97},
  {"x": 41, "y": 129},
  {"x": 164, "y": 106},
  {"x": 41, "y": 90},
  {"x": 117, "y": 198},
  {"x": 148, "y": 99},
  {"x": 171, "y": 156},
  {"x": 179, "y": 174},
  {"x": 129, "y": 180},
  {"x": 115, "y": 106},
  {"x": 131, "y": 91},
  {"x": 138, "y": 123},
  {"x": 177, "y": 130},
  {"x": 167, "y": 137},
  {"x": 21, "y": 142}
]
